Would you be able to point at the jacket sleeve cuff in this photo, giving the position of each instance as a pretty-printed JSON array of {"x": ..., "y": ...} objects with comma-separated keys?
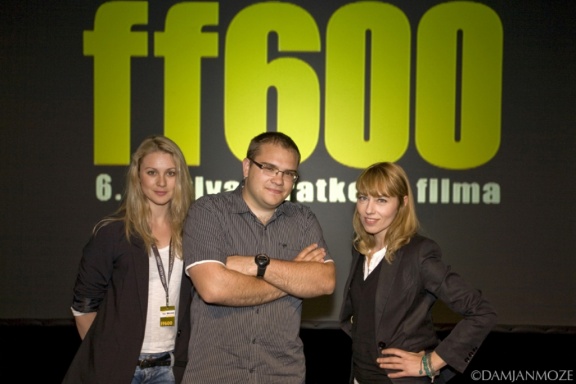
[{"x": 85, "y": 304}]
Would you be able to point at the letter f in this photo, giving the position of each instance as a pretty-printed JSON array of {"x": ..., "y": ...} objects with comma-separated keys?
[{"x": 113, "y": 43}]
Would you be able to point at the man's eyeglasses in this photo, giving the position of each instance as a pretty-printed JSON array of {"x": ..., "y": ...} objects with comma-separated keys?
[{"x": 270, "y": 170}]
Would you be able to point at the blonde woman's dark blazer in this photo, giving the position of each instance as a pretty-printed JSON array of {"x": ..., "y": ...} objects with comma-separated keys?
[
  {"x": 117, "y": 272},
  {"x": 407, "y": 289}
]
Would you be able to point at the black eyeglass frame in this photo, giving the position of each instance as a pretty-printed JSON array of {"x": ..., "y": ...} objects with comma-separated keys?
[{"x": 276, "y": 171}]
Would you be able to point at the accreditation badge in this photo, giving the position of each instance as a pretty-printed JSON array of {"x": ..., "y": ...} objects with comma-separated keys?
[{"x": 167, "y": 316}]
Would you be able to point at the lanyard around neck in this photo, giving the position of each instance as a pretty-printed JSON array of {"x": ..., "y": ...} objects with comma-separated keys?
[{"x": 165, "y": 283}]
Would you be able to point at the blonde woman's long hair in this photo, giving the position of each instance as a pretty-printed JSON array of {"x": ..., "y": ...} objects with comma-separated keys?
[
  {"x": 134, "y": 210},
  {"x": 386, "y": 179}
]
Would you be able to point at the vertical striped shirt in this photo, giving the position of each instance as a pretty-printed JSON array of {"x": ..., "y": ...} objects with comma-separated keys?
[{"x": 258, "y": 344}]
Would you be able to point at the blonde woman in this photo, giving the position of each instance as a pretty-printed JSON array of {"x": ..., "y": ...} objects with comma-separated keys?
[
  {"x": 395, "y": 278},
  {"x": 131, "y": 298}
]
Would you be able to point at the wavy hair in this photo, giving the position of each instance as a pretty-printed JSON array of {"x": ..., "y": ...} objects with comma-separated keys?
[
  {"x": 386, "y": 179},
  {"x": 134, "y": 210}
]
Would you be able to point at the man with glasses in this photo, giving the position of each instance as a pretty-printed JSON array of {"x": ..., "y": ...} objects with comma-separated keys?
[{"x": 252, "y": 257}]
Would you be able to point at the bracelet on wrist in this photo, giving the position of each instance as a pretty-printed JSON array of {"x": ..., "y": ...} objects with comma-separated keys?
[
  {"x": 421, "y": 371},
  {"x": 427, "y": 365}
]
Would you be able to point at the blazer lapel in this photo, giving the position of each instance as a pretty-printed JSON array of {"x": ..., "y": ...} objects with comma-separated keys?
[
  {"x": 141, "y": 260},
  {"x": 388, "y": 273}
]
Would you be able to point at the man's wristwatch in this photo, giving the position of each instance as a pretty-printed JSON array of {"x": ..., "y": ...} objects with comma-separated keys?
[{"x": 262, "y": 260}]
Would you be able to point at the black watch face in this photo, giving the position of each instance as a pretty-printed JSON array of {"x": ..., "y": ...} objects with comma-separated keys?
[{"x": 262, "y": 260}]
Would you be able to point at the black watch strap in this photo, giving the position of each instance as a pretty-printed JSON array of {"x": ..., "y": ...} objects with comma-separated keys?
[{"x": 262, "y": 260}]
